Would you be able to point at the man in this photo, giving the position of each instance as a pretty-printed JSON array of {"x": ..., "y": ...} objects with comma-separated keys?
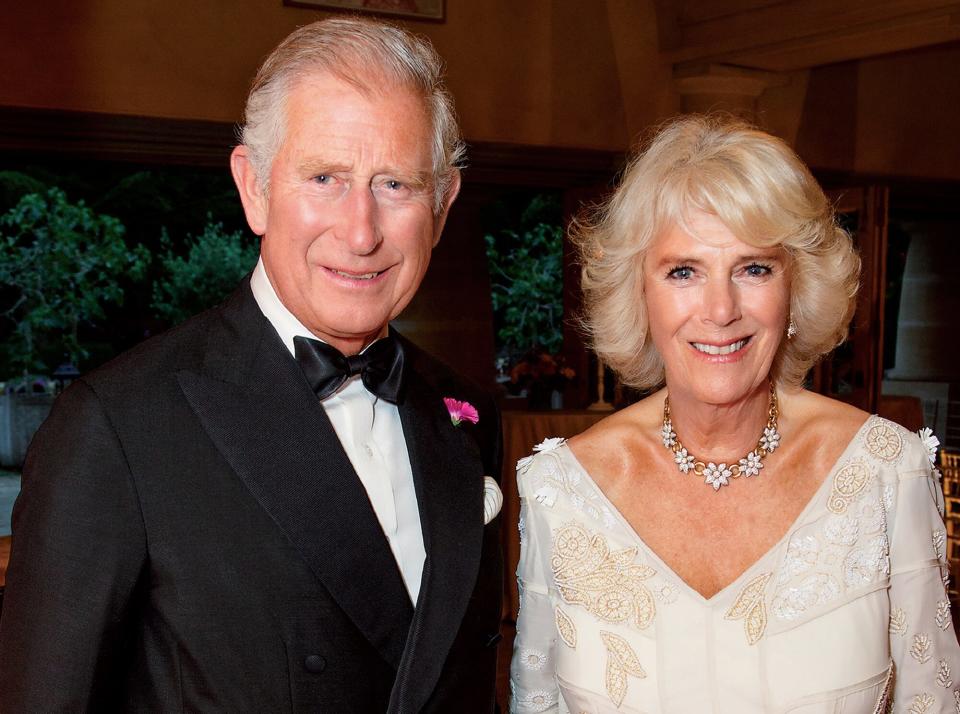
[{"x": 223, "y": 519}]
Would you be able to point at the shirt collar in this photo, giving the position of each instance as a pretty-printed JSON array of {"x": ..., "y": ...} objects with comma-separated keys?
[{"x": 283, "y": 321}]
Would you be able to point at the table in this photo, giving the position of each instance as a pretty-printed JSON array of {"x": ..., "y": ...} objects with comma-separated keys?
[{"x": 521, "y": 432}]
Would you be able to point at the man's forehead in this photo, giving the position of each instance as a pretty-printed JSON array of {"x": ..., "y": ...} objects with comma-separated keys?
[{"x": 372, "y": 83}]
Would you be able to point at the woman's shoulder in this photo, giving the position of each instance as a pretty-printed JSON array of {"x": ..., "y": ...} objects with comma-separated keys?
[
  {"x": 882, "y": 441},
  {"x": 544, "y": 462},
  {"x": 621, "y": 430}
]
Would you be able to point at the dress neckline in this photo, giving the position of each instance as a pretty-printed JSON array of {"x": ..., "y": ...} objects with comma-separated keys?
[{"x": 732, "y": 586}]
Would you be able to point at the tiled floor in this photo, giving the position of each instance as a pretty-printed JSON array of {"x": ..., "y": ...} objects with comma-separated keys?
[{"x": 9, "y": 488}]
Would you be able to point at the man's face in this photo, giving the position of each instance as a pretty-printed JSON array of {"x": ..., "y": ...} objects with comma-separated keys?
[{"x": 348, "y": 225}]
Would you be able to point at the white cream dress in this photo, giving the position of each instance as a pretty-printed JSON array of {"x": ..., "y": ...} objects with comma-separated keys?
[{"x": 848, "y": 613}]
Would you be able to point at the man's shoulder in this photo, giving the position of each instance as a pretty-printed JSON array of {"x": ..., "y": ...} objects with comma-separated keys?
[{"x": 182, "y": 347}]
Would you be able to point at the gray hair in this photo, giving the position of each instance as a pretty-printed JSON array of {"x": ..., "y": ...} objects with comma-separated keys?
[{"x": 363, "y": 53}]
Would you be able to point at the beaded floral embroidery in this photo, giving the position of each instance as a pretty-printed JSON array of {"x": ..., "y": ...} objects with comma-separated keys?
[
  {"x": 849, "y": 482},
  {"x": 810, "y": 593},
  {"x": 552, "y": 478},
  {"x": 609, "y": 584},
  {"x": 532, "y": 659},
  {"x": 883, "y": 441},
  {"x": 538, "y": 700}
]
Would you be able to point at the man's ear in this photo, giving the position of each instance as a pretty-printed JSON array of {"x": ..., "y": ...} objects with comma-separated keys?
[
  {"x": 252, "y": 196},
  {"x": 448, "y": 200}
]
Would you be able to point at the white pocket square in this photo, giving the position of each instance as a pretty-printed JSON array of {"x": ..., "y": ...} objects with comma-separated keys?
[{"x": 492, "y": 499}]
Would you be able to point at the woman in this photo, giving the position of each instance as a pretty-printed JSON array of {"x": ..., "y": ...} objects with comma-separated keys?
[{"x": 733, "y": 542}]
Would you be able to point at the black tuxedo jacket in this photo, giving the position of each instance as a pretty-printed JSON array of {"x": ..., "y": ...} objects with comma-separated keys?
[{"x": 192, "y": 537}]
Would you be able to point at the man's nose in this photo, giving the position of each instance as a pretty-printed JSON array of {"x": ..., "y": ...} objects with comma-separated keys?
[
  {"x": 721, "y": 302},
  {"x": 359, "y": 227}
]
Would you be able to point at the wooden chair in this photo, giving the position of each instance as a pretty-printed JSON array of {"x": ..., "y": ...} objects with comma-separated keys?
[
  {"x": 950, "y": 468},
  {"x": 4, "y": 557}
]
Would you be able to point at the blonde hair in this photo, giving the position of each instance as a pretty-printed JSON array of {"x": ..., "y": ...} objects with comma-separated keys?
[
  {"x": 763, "y": 193},
  {"x": 367, "y": 54}
]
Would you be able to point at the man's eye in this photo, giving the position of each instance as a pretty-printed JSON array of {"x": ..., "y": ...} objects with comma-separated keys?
[
  {"x": 323, "y": 179},
  {"x": 394, "y": 185},
  {"x": 681, "y": 272}
]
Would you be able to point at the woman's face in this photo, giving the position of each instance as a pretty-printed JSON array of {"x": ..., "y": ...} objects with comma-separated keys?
[{"x": 717, "y": 309}]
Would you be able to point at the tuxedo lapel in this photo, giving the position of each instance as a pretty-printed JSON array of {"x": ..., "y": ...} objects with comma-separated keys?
[
  {"x": 448, "y": 474},
  {"x": 256, "y": 406}
]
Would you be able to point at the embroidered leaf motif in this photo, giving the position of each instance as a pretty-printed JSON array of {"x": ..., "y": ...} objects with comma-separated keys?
[
  {"x": 921, "y": 703},
  {"x": 616, "y": 682},
  {"x": 749, "y": 607},
  {"x": 943, "y": 614},
  {"x": 748, "y": 597},
  {"x": 898, "y": 622},
  {"x": 943, "y": 674},
  {"x": 920, "y": 650},
  {"x": 939, "y": 545},
  {"x": 756, "y": 623},
  {"x": 621, "y": 661},
  {"x": 625, "y": 655},
  {"x": 566, "y": 629},
  {"x": 609, "y": 585}
]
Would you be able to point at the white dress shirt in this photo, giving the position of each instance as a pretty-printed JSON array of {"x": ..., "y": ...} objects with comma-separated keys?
[{"x": 370, "y": 431}]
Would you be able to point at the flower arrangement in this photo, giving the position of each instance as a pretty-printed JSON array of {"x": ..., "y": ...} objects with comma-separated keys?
[{"x": 538, "y": 374}]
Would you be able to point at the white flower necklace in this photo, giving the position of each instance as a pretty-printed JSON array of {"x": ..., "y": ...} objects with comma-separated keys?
[{"x": 718, "y": 475}]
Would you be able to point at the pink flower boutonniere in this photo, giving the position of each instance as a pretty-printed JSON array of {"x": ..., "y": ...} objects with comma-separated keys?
[{"x": 461, "y": 411}]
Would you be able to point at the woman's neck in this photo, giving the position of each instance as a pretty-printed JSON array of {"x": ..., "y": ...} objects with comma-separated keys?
[{"x": 719, "y": 432}]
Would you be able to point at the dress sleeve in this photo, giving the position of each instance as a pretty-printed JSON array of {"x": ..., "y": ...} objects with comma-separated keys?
[
  {"x": 923, "y": 642},
  {"x": 533, "y": 681}
]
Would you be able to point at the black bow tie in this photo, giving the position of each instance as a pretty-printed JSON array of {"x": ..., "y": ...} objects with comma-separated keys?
[{"x": 380, "y": 367}]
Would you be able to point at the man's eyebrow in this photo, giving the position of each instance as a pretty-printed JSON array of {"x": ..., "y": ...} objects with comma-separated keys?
[
  {"x": 318, "y": 167},
  {"x": 414, "y": 179}
]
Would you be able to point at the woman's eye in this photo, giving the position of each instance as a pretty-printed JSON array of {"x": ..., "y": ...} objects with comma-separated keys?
[
  {"x": 755, "y": 270},
  {"x": 682, "y": 272},
  {"x": 394, "y": 185}
]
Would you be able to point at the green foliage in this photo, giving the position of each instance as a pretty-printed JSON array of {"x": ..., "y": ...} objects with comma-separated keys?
[
  {"x": 526, "y": 272},
  {"x": 14, "y": 185},
  {"x": 60, "y": 264},
  {"x": 214, "y": 263}
]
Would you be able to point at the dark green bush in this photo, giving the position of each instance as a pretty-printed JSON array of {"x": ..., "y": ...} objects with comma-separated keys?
[
  {"x": 213, "y": 264},
  {"x": 60, "y": 265}
]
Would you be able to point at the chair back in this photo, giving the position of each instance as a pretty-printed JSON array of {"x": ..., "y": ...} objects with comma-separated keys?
[{"x": 950, "y": 469}]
